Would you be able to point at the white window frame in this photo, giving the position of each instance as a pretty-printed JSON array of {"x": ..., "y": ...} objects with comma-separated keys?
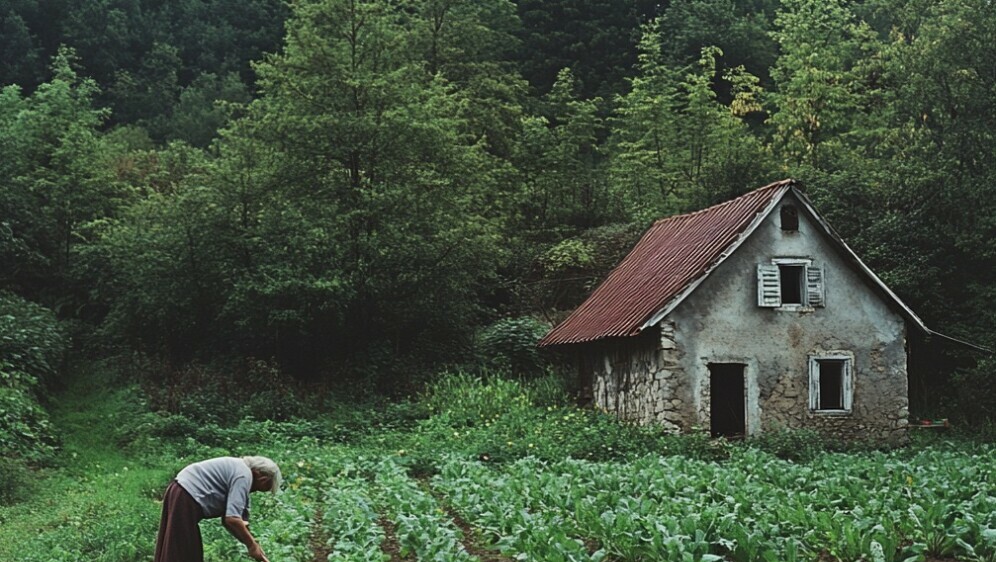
[
  {"x": 769, "y": 292},
  {"x": 847, "y": 384}
]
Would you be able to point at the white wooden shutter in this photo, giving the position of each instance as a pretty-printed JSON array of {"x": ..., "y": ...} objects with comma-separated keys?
[
  {"x": 815, "y": 290},
  {"x": 848, "y": 386},
  {"x": 769, "y": 289},
  {"x": 814, "y": 384}
]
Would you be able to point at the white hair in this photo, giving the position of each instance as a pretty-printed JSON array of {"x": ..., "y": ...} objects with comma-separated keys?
[{"x": 266, "y": 467}]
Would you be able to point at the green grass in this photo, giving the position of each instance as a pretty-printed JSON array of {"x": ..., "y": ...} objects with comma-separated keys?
[{"x": 98, "y": 502}]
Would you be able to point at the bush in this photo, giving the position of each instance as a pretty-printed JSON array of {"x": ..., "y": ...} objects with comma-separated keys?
[
  {"x": 25, "y": 432},
  {"x": 32, "y": 349},
  {"x": 467, "y": 400},
  {"x": 32, "y": 341},
  {"x": 509, "y": 345},
  {"x": 549, "y": 390}
]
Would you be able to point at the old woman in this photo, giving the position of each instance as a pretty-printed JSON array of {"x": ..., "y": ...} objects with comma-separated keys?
[{"x": 208, "y": 489}]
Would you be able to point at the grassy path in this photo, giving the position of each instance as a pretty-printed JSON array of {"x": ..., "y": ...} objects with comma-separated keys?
[{"x": 97, "y": 502}]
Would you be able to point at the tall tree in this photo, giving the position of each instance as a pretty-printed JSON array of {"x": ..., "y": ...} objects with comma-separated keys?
[
  {"x": 740, "y": 28},
  {"x": 204, "y": 108},
  {"x": 146, "y": 95},
  {"x": 392, "y": 184},
  {"x": 561, "y": 164},
  {"x": 347, "y": 220},
  {"x": 675, "y": 146},
  {"x": 822, "y": 84},
  {"x": 471, "y": 43},
  {"x": 20, "y": 55},
  {"x": 53, "y": 175},
  {"x": 596, "y": 39}
]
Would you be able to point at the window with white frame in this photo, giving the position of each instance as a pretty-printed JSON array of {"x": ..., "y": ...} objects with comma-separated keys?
[
  {"x": 831, "y": 383},
  {"x": 790, "y": 283}
]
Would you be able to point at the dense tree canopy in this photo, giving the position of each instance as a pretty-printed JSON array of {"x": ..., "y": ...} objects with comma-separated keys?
[{"x": 354, "y": 188}]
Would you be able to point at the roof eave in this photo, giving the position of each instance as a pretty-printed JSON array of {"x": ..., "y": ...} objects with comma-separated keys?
[
  {"x": 741, "y": 238},
  {"x": 904, "y": 310},
  {"x": 962, "y": 343}
]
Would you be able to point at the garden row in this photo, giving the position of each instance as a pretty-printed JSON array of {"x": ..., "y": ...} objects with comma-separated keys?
[
  {"x": 877, "y": 507},
  {"x": 350, "y": 510}
]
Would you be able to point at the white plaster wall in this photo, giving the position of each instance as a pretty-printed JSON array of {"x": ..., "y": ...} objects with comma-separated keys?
[{"x": 721, "y": 322}]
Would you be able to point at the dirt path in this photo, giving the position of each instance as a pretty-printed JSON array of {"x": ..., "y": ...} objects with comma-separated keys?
[
  {"x": 471, "y": 539},
  {"x": 390, "y": 545},
  {"x": 318, "y": 541}
]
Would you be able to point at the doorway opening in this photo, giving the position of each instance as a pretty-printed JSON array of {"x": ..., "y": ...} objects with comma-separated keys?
[{"x": 727, "y": 416}]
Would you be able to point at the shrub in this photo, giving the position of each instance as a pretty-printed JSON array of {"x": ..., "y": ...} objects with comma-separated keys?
[
  {"x": 32, "y": 341},
  {"x": 466, "y": 400},
  {"x": 32, "y": 349},
  {"x": 549, "y": 390},
  {"x": 25, "y": 432},
  {"x": 568, "y": 255},
  {"x": 509, "y": 345}
]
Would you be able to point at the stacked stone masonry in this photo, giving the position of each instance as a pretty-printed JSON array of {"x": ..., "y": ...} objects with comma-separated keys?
[{"x": 642, "y": 380}]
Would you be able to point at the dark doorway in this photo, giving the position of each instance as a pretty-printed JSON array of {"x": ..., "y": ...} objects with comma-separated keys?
[{"x": 726, "y": 388}]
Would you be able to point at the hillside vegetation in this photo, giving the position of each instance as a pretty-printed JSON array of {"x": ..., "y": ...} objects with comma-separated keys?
[{"x": 353, "y": 190}]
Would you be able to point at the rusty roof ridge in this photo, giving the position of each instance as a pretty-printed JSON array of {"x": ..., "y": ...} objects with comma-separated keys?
[{"x": 753, "y": 192}]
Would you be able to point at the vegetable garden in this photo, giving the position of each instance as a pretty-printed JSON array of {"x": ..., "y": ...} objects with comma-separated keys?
[
  {"x": 496, "y": 471},
  {"x": 932, "y": 504}
]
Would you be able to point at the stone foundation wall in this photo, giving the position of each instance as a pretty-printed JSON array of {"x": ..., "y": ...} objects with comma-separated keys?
[
  {"x": 880, "y": 412},
  {"x": 641, "y": 379}
]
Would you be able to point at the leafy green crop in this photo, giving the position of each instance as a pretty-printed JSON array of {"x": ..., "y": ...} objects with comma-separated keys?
[{"x": 753, "y": 507}]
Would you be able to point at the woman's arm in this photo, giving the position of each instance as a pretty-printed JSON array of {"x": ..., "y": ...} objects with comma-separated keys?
[{"x": 240, "y": 530}]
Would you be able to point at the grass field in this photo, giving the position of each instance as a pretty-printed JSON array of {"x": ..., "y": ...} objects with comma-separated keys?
[{"x": 441, "y": 488}]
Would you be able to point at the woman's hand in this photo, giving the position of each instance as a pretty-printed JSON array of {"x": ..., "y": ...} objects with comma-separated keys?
[{"x": 256, "y": 553}]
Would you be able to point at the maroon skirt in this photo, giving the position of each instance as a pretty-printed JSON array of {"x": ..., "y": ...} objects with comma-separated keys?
[{"x": 179, "y": 537}]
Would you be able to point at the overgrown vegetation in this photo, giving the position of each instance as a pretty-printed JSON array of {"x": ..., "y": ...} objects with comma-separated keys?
[
  {"x": 363, "y": 210},
  {"x": 274, "y": 224},
  {"x": 32, "y": 349}
]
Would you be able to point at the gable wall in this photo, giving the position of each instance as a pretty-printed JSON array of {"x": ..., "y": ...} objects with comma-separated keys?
[{"x": 721, "y": 322}]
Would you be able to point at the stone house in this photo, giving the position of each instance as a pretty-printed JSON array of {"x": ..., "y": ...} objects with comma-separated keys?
[{"x": 745, "y": 317}]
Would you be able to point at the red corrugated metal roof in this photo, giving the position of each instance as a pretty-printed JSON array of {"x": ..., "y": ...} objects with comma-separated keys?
[{"x": 672, "y": 255}]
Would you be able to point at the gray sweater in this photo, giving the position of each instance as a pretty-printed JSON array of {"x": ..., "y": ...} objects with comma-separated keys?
[{"x": 220, "y": 486}]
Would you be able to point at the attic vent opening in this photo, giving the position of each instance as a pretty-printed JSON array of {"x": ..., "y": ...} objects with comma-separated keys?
[{"x": 790, "y": 218}]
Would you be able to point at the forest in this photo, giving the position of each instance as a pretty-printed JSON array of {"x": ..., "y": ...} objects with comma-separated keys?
[{"x": 218, "y": 211}]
